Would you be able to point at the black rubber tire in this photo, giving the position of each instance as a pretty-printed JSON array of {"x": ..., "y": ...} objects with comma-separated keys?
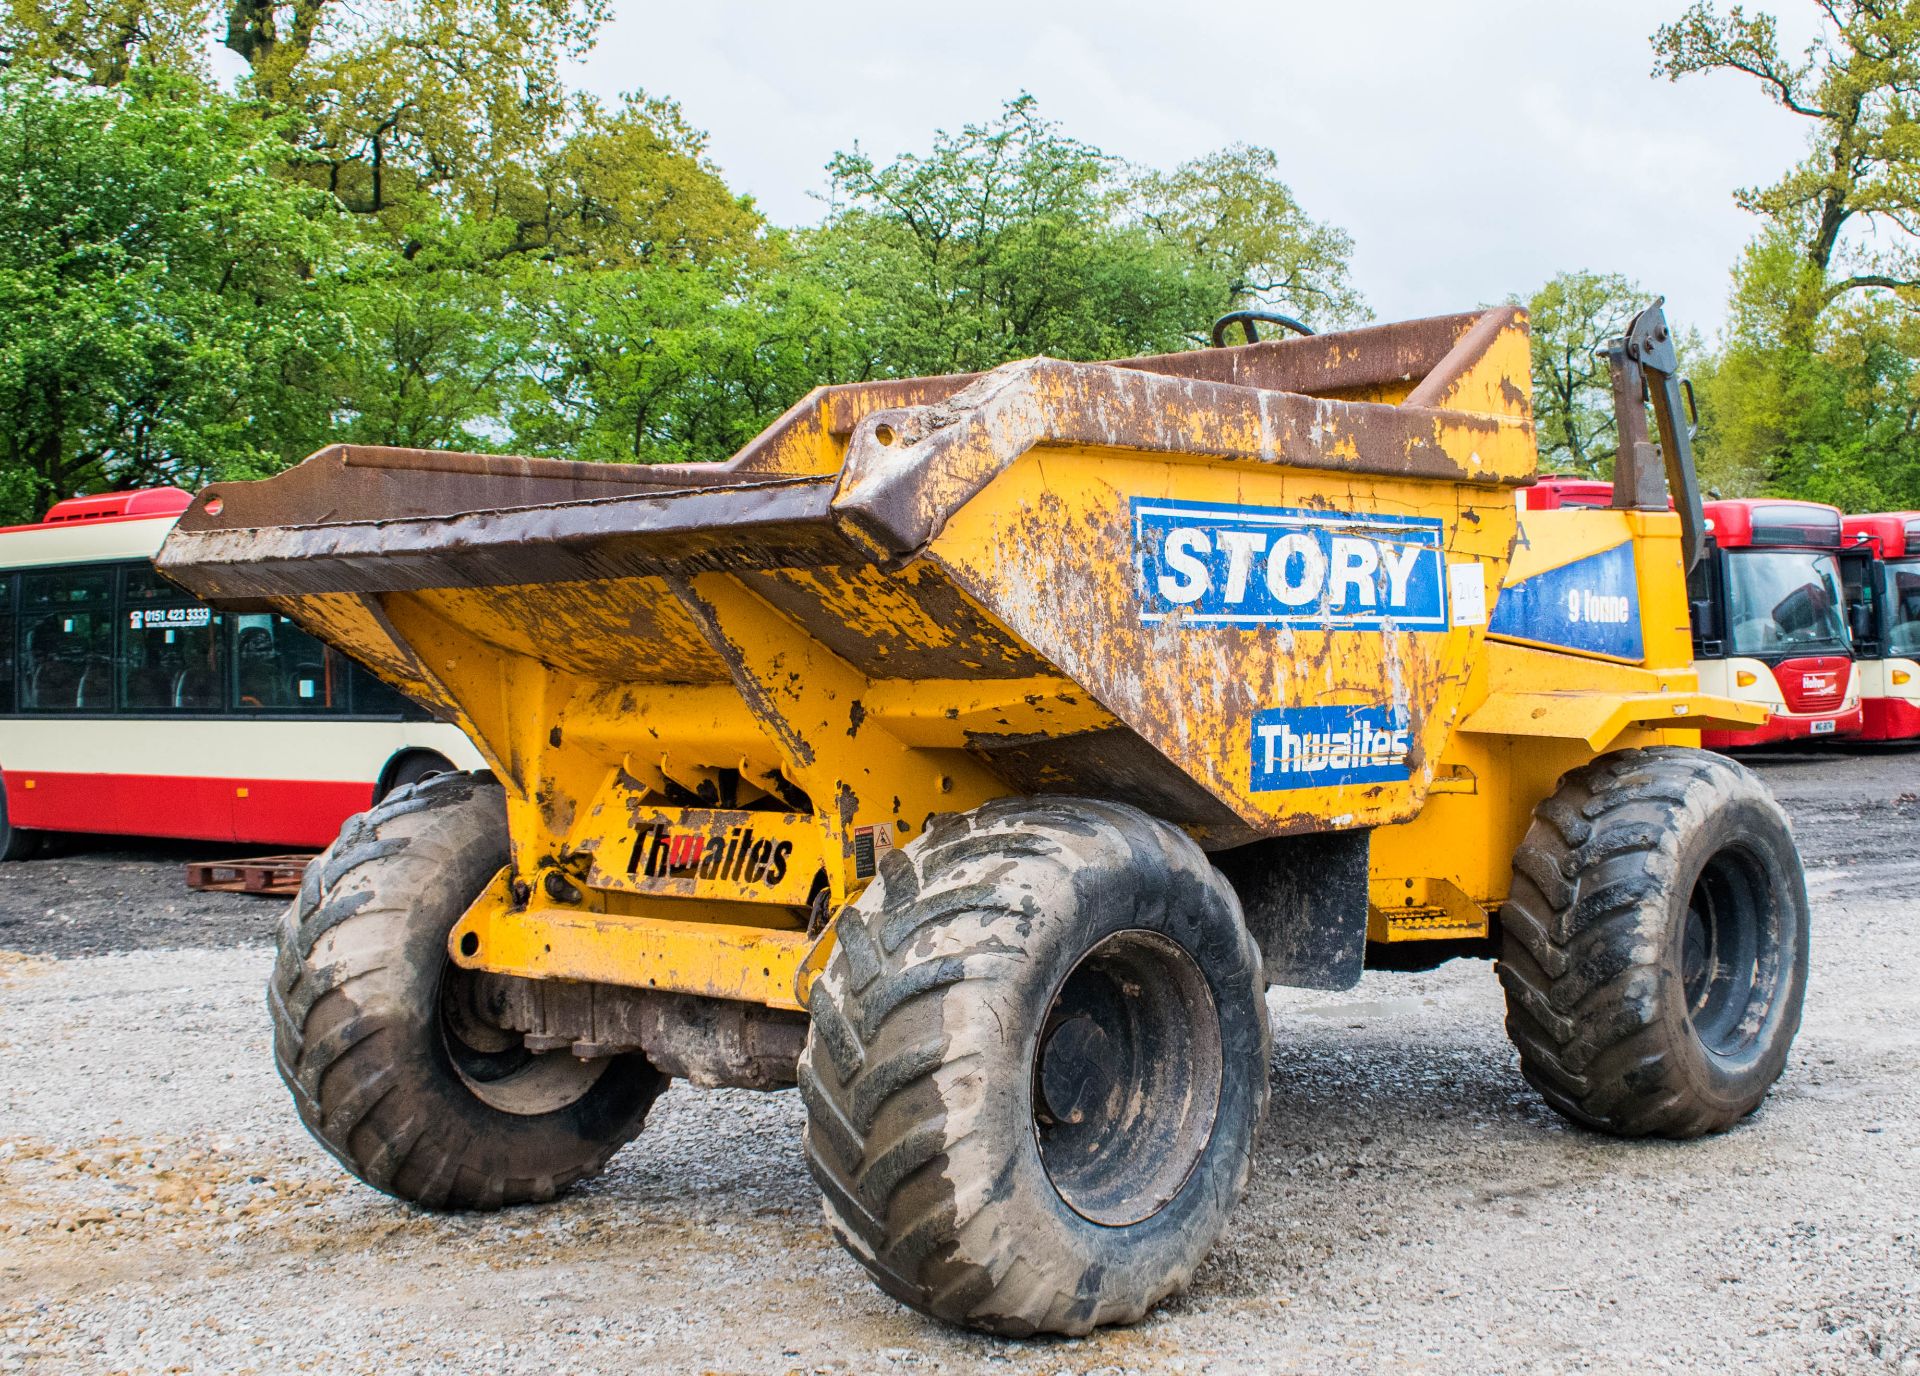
[
  {"x": 921, "y": 1068},
  {"x": 16, "y": 843},
  {"x": 1639, "y": 859},
  {"x": 361, "y": 1040},
  {"x": 414, "y": 767}
]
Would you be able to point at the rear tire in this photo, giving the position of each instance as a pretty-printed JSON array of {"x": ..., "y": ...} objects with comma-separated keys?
[
  {"x": 1654, "y": 946},
  {"x": 1037, "y": 1063},
  {"x": 381, "y": 1041}
]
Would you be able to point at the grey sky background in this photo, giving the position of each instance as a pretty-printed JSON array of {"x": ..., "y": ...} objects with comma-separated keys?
[{"x": 1472, "y": 150}]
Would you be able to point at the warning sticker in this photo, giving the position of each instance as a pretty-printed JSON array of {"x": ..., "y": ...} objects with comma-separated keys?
[{"x": 868, "y": 843}]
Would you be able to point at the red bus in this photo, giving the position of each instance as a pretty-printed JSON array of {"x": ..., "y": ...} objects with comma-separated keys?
[
  {"x": 128, "y": 707},
  {"x": 1557, "y": 494},
  {"x": 1770, "y": 621},
  {"x": 1886, "y": 594}
]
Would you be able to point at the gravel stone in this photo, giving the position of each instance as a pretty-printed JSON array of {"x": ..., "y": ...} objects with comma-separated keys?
[{"x": 1412, "y": 1205}]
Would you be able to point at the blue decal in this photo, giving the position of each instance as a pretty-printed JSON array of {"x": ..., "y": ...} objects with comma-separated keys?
[
  {"x": 1319, "y": 747},
  {"x": 1592, "y": 604},
  {"x": 1217, "y": 565}
]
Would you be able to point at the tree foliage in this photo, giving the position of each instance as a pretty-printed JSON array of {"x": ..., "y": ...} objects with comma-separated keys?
[
  {"x": 1855, "y": 86},
  {"x": 99, "y": 42},
  {"x": 401, "y": 228},
  {"x": 1816, "y": 386},
  {"x": 1230, "y": 211},
  {"x": 1574, "y": 316},
  {"x": 163, "y": 291},
  {"x": 1012, "y": 238},
  {"x": 1006, "y": 239}
]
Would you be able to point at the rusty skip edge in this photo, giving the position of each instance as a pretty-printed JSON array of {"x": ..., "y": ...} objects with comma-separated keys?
[
  {"x": 345, "y": 483},
  {"x": 314, "y": 528}
]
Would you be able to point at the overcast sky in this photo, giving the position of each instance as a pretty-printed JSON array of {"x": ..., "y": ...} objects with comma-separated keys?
[{"x": 1472, "y": 150}]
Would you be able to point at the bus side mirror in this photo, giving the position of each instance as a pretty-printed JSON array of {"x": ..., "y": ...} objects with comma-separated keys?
[
  {"x": 1706, "y": 620},
  {"x": 1860, "y": 622}
]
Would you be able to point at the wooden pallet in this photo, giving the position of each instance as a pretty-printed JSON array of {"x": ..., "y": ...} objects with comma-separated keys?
[{"x": 271, "y": 876}]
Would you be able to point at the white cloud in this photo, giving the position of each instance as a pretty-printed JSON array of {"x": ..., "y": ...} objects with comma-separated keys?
[{"x": 1470, "y": 150}]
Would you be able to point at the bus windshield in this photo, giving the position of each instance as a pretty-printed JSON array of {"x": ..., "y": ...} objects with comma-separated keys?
[
  {"x": 1903, "y": 607},
  {"x": 1784, "y": 600}
]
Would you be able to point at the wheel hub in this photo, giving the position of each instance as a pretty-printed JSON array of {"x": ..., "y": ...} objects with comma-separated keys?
[
  {"x": 1730, "y": 966},
  {"x": 493, "y": 1061},
  {"x": 1077, "y": 1080},
  {"x": 1126, "y": 1078}
]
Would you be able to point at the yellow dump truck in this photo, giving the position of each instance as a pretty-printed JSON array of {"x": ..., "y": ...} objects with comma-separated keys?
[{"x": 975, "y": 751}]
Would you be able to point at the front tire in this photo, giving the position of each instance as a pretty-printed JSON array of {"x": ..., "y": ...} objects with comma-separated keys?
[
  {"x": 1037, "y": 1063},
  {"x": 381, "y": 1038},
  {"x": 1654, "y": 945}
]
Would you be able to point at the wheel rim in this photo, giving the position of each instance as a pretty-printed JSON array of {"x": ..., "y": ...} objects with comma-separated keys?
[
  {"x": 1126, "y": 1078},
  {"x": 494, "y": 1063},
  {"x": 1730, "y": 957}
]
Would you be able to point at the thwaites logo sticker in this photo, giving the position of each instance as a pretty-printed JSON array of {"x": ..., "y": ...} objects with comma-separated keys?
[
  {"x": 1223, "y": 565},
  {"x": 733, "y": 856},
  {"x": 1320, "y": 747}
]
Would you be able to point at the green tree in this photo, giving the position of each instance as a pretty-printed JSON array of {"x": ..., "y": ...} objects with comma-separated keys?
[
  {"x": 1811, "y": 394},
  {"x": 99, "y": 42},
  {"x": 1013, "y": 238},
  {"x": 629, "y": 185},
  {"x": 1231, "y": 213},
  {"x": 1855, "y": 86},
  {"x": 1839, "y": 422},
  {"x": 1007, "y": 239},
  {"x": 672, "y": 364},
  {"x": 430, "y": 345},
  {"x": 1574, "y": 316},
  {"x": 449, "y": 97},
  {"x": 999, "y": 242},
  {"x": 164, "y": 291}
]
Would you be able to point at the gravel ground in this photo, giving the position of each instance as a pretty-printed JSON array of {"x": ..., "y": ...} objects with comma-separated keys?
[
  {"x": 95, "y": 898},
  {"x": 1412, "y": 1206}
]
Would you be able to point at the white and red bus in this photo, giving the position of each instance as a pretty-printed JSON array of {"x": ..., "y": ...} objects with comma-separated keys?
[
  {"x": 1770, "y": 620},
  {"x": 1886, "y": 592},
  {"x": 128, "y": 707}
]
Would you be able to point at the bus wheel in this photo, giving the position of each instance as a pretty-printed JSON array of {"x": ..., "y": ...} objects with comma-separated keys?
[
  {"x": 1654, "y": 945},
  {"x": 16, "y": 843},
  {"x": 389, "y": 1056},
  {"x": 1037, "y": 1062},
  {"x": 413, "y": 767}
]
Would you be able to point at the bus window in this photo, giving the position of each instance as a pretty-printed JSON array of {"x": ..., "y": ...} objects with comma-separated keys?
[
  {"x": 7, "y": 644},
  {"x": 280, "y": 668},
  {"x": 171, "y": 655},
  {"x": 373, "y": 698},
  {"x": 1863, "y": 597},
  {"x": 67, "y": 650},
  {"x": 1903, "y": 608},
  {"x": 1784, "y": 600}
]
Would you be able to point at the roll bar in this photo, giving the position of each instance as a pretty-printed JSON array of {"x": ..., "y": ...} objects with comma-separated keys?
[{"x": 1645, "y": 366}]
